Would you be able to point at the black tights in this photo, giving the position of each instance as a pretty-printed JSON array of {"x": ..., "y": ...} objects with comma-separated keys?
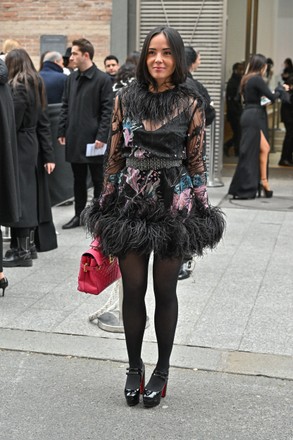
[{"x": 134, "y": 269}]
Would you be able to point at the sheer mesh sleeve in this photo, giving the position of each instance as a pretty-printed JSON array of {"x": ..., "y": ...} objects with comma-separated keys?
[
  {"x": 114, "y": 161},
  {"x": 196, "y": 159}
]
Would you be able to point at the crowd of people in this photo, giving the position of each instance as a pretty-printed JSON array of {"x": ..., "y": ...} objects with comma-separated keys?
[{"x": 139, "y": 129}]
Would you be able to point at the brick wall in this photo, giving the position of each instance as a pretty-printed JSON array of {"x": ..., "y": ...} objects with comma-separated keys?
[{"x": 26, "y": 20}]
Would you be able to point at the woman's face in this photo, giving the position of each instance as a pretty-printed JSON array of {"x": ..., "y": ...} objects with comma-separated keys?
[{"x": 160, "y": 60}]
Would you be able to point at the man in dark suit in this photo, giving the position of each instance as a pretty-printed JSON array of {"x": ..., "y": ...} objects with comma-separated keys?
[{"x": 85, "y": 119}]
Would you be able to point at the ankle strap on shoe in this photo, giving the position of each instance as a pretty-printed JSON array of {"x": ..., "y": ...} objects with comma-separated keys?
[
  {"x": 161, "y": 374},
  {"x": 134, "y": 371}
]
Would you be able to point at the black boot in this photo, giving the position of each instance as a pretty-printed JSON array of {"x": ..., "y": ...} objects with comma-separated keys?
[
  {"x": 33, "y": 248},
  {"x": 10, "y": 252},
  {"x": 13, "y": 244},
  {"x": 22, "y": 257}
]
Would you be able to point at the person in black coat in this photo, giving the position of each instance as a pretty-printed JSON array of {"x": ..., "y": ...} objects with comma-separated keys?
[
  {"x": 9, "y": 185},
  {"x": 288, "y": 69},
  {"x": 287, "y": 118},
  {"x": 193, "y": 61},
  {"x": 234, "y": 107},
  {"x": 85, "y": 119},
  {"x": 35, "y": 157}
]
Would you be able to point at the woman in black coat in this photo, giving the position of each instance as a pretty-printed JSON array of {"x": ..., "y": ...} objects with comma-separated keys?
[
  {"x": 9, "y": 189},
  {"x": 251, "y": 175},
  {"x": 288, "y": 69},
  {"x": 33, "y": 139},
  {"x": 287, "y": 118}
]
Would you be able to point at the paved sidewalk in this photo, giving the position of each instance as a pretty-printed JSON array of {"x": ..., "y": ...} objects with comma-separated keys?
[
  {"x": 235, "y": 311},
  {"x": 65, "y": 398}
]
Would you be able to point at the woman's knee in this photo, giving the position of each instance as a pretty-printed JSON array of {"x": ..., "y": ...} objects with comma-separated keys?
[{"x": 165, "y": 293}]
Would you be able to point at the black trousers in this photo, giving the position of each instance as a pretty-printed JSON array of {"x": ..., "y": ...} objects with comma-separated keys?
[
  {"x": 236, "y": 129},
  {"x": 80, "y": 183},
  {"x": 287, "y": 150}
]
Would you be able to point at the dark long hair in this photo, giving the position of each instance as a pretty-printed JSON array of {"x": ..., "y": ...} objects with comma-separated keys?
[
  {"x": 177, "y": 48},
  {"x": 254, "y": 67},
  {"x": 21, "y": 70}
]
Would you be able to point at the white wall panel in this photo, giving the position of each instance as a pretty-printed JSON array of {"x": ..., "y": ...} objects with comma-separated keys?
[{"x": 201, "y": 24}]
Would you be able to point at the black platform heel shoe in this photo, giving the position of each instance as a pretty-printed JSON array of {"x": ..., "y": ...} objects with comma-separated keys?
[
  {"x": 3, "y": 285},
  {"x": 264, "y": 188},
  {"x": 155, "y": 389},
  {"x": 134, "y": 385}
]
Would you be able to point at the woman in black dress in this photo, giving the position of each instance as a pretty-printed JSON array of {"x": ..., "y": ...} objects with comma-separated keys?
[
  {"x": 154, "y": 199},
  {"x": 251, "y": 175}
]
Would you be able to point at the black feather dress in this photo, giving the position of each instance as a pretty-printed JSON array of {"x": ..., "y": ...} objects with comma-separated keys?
[{"x": 162, "y": 210}]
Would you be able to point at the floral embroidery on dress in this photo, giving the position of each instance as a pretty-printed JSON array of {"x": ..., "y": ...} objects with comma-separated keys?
[{"x": 162, "y": 210}]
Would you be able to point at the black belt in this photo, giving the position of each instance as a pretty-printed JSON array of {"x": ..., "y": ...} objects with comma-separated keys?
[{"x": 152, "y": 163}]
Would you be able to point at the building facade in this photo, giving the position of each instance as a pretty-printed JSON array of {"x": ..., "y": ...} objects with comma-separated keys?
[
  {"x": 36, "y": 24},
  {"x": 217, "y": 28}
]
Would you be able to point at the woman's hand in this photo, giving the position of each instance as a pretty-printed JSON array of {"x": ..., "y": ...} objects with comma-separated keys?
[{"x": 49, "y": 167}]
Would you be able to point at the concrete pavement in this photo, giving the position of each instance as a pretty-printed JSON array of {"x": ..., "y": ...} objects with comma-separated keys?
[
  {"x": 235, "y": 311},
  {"x": 66, "y": 398},
  {"x": 235, "y": 316}
]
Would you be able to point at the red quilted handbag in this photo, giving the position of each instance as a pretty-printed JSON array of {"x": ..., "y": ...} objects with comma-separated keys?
[{"x": 96, "y": 271}]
